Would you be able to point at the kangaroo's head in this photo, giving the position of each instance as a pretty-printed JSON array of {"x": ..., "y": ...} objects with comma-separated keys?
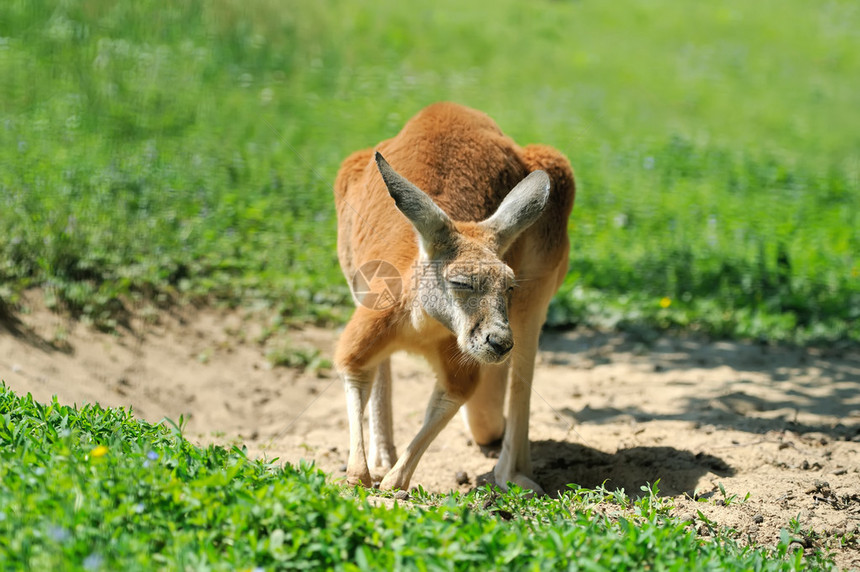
[{"x": 460, "y": 277}]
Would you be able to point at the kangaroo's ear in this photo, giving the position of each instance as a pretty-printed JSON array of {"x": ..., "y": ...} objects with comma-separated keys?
[
  {"x": 433, "y": 225},
  {"x": 519, "y": 210}
]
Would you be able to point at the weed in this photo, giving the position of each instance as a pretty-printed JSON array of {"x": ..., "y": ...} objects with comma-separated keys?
[
  {"x": 728, "y": 499},
  {"x": 308, "y": 359}
]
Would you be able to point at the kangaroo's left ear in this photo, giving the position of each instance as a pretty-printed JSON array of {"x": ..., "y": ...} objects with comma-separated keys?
[
  {"x": 519, "y": 210},
  {"x": 434, "y": 227}
]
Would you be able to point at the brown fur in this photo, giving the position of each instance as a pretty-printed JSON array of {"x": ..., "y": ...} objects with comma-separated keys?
[{"x": 464, "y": 162}]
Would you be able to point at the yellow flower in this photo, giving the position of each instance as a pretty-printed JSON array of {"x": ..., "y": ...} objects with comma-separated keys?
[
  {"x": 99, "y": 451},
  {"x": 665, "y": 302}
]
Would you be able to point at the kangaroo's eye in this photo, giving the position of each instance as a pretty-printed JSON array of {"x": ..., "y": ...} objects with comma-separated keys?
[{"x": 460, "y": 284}]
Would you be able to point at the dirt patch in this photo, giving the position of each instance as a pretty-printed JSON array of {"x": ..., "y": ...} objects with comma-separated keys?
[{"x": 759, "y": 435}]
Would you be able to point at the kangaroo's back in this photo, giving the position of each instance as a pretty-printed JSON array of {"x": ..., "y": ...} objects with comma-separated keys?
[
  {"x": 464, "y": 162},
  {"x": 459, "y": 157}
]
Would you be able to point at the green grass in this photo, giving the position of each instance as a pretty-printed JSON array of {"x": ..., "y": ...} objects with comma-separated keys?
[
  {"x": 152, "y": 153},
  {"x": 96, "y": 489}
]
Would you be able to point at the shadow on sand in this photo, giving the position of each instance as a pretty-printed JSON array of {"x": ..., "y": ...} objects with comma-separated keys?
[
  {"x": 778, "y": 385},
  {"x": 558, "y": 464}
]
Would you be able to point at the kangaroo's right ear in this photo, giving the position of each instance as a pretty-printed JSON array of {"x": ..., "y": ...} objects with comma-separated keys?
[
  {"x": 431, "y": 222},
  {"x": 520, "y": 209}
]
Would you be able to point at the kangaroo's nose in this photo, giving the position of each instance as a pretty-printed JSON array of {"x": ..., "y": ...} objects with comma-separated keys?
[{"x": 501, "y": 345}]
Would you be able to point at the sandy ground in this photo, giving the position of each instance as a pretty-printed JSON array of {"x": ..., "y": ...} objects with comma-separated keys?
[{"x": 777, "y": 426}]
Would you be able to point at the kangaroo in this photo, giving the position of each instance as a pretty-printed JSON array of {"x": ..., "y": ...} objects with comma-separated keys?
[{"x": 468, "y": 253}]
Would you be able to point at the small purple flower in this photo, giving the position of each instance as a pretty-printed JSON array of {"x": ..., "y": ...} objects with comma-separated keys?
[
  {"x": 93, "y": 562},
  {"x": 152, "y": 456},
  {"x": 58, "y": 533}
]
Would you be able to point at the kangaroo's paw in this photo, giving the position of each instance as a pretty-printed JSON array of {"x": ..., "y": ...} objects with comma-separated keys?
[
  {"x": 502, "y": 479},
  {"x": 394, "y": 480},
  {"x": 358, "y": 476}
]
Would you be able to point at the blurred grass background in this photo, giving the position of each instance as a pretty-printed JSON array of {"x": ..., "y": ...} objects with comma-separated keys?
[{"x": 152, "y": 152}]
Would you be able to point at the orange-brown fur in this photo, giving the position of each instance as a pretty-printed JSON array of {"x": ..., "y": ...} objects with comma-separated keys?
[
  {"x": 488, "y": 162},
  {"x": 464, "y": 162}
]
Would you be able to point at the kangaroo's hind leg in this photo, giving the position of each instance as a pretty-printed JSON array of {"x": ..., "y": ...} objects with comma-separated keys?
[
  {"x": 382, "y": 454},
  {"x": 484, "y": 412}
]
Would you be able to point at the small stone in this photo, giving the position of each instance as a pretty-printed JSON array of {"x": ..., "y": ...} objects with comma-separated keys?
[
  {"x": 343, "y": 468},
  {"x": 401, "y": 495},
  {"x": 462, "y": 478},
  {"x": 758, "y": 519},
  {"x": 822, "y": 487}
]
